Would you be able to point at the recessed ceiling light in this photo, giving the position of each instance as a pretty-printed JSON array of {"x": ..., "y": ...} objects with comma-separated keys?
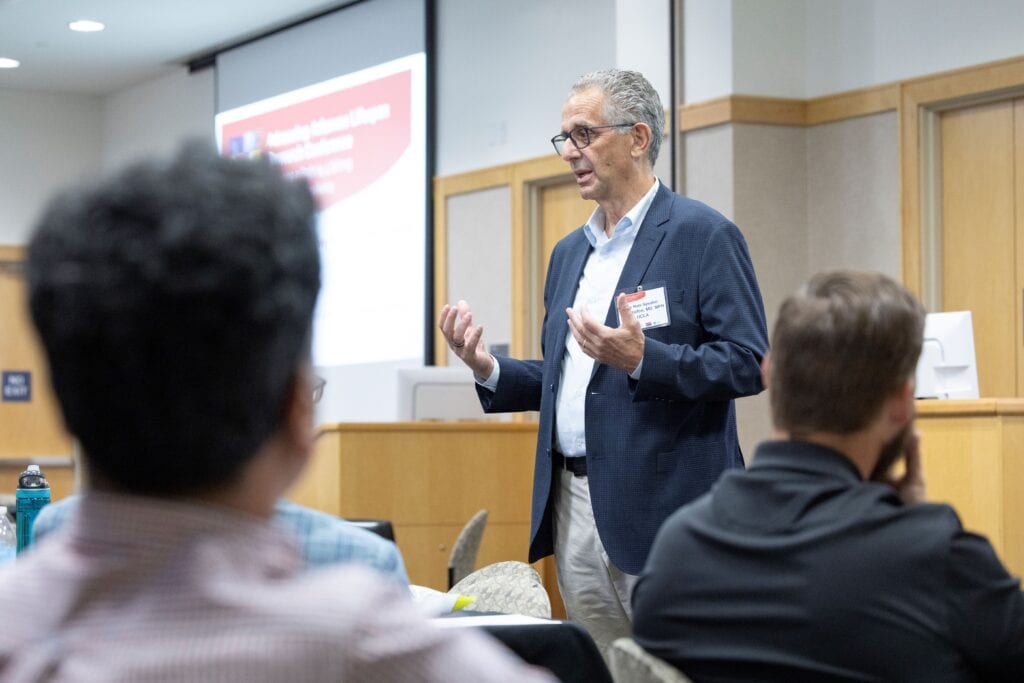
[
  {"x": 86, "y": 26},
  {"x": 8, "y": 63}
]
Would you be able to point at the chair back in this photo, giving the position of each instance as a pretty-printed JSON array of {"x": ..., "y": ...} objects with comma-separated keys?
[
  {"x": 508, "y": 587},
  {"x": 630, "y": 663},
  {"x": 462, "y": 560},
  {"x": 381, "y": 527}
]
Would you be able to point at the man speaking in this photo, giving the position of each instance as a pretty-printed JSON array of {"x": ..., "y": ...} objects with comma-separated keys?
[{"x": 654, "y": 324}]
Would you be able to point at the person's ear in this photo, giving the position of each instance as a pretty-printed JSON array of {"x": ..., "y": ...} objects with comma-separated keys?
[
  {"x": 641, "y": 139},
  {"x": 901, "y": 404},
  {"x": 297, "y": 422}
]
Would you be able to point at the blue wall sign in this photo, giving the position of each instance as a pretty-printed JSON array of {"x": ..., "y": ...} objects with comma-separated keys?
[{"x": 17, "y": 385}]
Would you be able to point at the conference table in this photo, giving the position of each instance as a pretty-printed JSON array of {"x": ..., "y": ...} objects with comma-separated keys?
[{"x": 562, "y": 647}]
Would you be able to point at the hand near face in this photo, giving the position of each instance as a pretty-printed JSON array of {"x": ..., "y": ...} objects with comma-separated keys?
[
  {"x": 465, "y": 339},
  {"x": 620, "y": 347},
  {"x": 911, "y": 486}
]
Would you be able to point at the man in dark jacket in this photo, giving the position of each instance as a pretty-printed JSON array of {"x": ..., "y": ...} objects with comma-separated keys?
[{"x": 816, "y": 563}]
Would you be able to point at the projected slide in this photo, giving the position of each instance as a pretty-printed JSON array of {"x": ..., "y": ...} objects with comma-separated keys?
[{"x": 359, "y": 140}]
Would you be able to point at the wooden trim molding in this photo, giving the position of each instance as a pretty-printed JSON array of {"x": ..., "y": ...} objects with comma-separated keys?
[
  {"x": 472, "y": 181},
  {"x": 770, "y": 110},
  {"x": 789, "y": 112},
  {"x": 853, "y": 103},
  {"x": 12, "y": 253},
  {"x": 705, "y": 114},
  {"x": 970, "y": 408}
]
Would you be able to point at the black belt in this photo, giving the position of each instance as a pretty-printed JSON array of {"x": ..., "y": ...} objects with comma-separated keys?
[{"x": 577, "y": 465}]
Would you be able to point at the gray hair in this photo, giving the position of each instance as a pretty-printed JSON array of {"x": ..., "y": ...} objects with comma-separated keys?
[{"x": 628, "y": 97}]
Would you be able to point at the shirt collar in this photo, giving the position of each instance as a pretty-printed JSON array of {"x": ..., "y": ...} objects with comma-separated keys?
[
  {"x": 800, "y": 456},
  {"x": 628, "y": 224},
  {"x": 153, "y": 528}
]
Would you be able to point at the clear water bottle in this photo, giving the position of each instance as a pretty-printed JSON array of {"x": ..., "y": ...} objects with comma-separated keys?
[
  {"x": 32, "y": 494},
  {"x": 8, "y": 538}
]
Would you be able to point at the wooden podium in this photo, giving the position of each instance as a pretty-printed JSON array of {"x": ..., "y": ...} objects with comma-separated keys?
[
  {"x": 973, "y": 455},
  {"x": 429, "y": 478}
]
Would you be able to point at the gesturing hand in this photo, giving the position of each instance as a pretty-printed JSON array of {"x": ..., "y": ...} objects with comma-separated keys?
[
  {"x": 620, "y": 347},
  {"x": 465, "y": 339}
]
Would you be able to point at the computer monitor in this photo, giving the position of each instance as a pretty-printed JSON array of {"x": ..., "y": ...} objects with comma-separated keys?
[
  {"x": 438, "y": 393},
  {"x": 947, "y": 367}
]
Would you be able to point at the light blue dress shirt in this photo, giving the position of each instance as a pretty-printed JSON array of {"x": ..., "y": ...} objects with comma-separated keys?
[{"x": 322, "y": 539}]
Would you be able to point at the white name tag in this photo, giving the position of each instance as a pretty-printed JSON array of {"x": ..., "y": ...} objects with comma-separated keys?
[{"x": 648, "y": 307}]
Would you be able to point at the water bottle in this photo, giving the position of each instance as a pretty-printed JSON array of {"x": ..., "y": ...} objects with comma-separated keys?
[
  {"x": 32, "y": 494},
  {"x": 8, "y": 538}
]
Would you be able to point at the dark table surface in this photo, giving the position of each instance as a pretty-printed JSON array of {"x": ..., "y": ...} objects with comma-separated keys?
[{"x": 562, "y": 647}]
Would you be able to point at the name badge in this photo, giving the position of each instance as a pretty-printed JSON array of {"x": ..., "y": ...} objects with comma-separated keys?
[{"x": 648, "y": 307}]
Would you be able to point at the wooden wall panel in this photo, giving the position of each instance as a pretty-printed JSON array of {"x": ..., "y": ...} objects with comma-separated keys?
[
  {"x": 318, "y": 487},
  {"x": 973, "y": 454},
  {"x": 34, "y": 428},
  {"x": 428, "y": 479}
]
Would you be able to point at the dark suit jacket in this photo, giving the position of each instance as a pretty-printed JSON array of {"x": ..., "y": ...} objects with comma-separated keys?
[
  {"x": 797, "y": 570},
  {"x": 657, "y": 443}
]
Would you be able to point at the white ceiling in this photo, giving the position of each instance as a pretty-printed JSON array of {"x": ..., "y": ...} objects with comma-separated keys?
[{"x": 143, "y": 38}]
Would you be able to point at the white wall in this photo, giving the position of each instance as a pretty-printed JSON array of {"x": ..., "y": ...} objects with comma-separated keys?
[
  {"x": 53, "y": 140},
  {"x": 809, "y": 48},
  {"x": 857, "y": 44},
  {"x": 47, "y": 142},
  {"x": 503, "y": 73},
  {"x": 153, "y": 117},
  {"x": 707, "y": 49},
  {"x": 642, "y": 41},
  {"x": 770, "y": 43}
]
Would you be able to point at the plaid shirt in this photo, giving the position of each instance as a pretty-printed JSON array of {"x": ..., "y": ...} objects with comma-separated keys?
[{"x": 323, "y": 539}]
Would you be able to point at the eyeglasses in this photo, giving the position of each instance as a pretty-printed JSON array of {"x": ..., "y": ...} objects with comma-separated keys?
[
  {"x": 318, "y": 388},
  {"x": 581, "y": 136}
]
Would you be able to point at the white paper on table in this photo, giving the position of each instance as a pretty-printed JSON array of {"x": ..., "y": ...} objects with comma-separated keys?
[{"x": 493, "y": 620}]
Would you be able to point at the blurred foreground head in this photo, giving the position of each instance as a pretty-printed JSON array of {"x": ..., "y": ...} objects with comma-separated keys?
[{"x": 174, "y": 301}]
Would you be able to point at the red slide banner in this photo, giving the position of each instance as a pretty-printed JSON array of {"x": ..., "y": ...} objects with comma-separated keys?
[{"x": 340, "y": 141}]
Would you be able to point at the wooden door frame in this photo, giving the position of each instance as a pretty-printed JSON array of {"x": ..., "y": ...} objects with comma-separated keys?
[
  {"x": 529, "y": 178},
  {"x": 922, "y": 100},
  {"x": 524, "y": 179},
  {"x": 536, "y": 259}
]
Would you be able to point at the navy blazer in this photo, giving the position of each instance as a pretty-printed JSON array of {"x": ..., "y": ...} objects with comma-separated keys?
[{"x": 657, "y": 443}]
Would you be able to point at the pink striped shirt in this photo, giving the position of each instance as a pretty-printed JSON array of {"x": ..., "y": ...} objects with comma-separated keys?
[{"x": 142, "y": 589}]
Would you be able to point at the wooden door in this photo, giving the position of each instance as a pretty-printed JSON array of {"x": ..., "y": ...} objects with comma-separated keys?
[
  {"x": 981, "y": 235},
  {"x": 560, "y": 211}
]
